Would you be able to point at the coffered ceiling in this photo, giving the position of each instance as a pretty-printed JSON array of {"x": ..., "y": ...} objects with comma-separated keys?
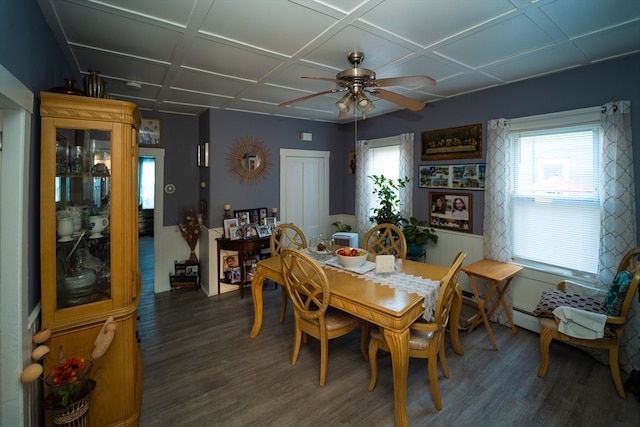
[{"x": 249, "y": 55}]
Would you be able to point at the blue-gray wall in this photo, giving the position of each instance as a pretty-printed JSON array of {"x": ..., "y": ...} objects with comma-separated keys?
[
  {"x": 30, "y": 52},
  {"x": 588, "y": 86}
]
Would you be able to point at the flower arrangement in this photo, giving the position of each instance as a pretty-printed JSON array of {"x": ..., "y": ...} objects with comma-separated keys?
[
  {"x": 68, "y": 378},
  {"x": 190, "y": 225}
]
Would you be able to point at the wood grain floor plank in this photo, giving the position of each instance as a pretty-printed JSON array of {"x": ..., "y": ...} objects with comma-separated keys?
[{"x": 202, "y": 369}]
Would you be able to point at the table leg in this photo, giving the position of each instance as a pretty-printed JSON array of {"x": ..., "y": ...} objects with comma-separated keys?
[
  {"x": 256, "y": 293},
  {"x": 454, "y": 321},
  {"x": 481, "y": 306},
  {"x": 398, "y": 343},
  {"x": 507, "y": 312}
]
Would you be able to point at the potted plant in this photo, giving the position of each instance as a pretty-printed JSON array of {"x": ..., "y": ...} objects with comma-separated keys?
[
  {"x": 387, "y": 190},
  {"x": 417, "y": 236}
]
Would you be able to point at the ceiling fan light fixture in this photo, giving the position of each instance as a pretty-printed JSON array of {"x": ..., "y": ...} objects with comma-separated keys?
[
  {"x": 366, "y": 105},
  {"x": 345, "y": 104}
]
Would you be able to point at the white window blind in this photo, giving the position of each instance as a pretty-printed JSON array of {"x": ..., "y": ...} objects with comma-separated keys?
[
  {"x": 385, "y": 160},
  {"x": 555, "y": 204}
]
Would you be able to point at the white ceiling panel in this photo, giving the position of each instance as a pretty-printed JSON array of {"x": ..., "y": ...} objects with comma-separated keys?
[
  {"x": 429, "y": 22},
  {"x": 260, "y": 24},
  {"x": 250, "y": 55}
]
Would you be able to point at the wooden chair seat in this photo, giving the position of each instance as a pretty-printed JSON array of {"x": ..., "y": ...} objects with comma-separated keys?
[
  {"x": 426, "y": 338},
  {"x": 308, "y": 288}
]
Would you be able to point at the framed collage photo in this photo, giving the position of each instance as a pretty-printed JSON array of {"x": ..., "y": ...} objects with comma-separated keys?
[{"x": 451, "y": 211}]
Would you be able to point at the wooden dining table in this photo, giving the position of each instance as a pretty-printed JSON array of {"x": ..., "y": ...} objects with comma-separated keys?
[{"x": 392, "y": 309}]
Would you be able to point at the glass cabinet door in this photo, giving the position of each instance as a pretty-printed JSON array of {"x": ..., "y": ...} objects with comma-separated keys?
[{"x": 82, "y": 192}]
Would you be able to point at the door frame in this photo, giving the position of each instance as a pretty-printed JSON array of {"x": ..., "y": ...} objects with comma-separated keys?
[
  {"x": 315, "y": 154},
  {"x": 16, "y": 101},
  {"x": 158, "y": 209}
]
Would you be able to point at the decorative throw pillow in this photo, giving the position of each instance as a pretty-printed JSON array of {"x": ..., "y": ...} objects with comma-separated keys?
[
  {"x": 552, "y": 298},
  {"x": 617, "y": 293}
]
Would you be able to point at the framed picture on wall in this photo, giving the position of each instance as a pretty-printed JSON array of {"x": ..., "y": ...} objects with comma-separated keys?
[
  {"x": 451, "y": 211},
  {"x": 149, "y": 133}
]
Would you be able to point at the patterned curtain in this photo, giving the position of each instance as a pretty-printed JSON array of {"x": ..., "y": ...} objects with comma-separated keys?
[
  {"x": 364, "y": 185},
  {"x": 618, "y": 214},
  {"x": 497, "y": 210},
  {"x": 406, "y": 169}
]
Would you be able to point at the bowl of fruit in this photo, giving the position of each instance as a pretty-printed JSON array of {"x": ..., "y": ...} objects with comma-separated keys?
[{"x": 351, "y": 257}]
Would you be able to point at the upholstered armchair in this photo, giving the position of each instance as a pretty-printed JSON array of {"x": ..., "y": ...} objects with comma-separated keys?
[{"x": 590, "y": 317}]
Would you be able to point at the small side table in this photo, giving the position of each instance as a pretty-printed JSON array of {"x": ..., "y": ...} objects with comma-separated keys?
[
  {"x": 241, "y": 246},
  {"x": 499, "y": 274}
]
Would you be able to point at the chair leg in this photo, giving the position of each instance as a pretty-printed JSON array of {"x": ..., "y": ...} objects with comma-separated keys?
[
  {"x": 373, "y": 363},
  {"x": 545, "y": 342},
  {"x": 324, "y": 357},
  {"x": 443, "y": 360},
  {"x": 283, "y": 305},
  {"x": 432, "y": 363},
  {"x": 615, "y": 370},
  {"x": 297, "y": 341}
]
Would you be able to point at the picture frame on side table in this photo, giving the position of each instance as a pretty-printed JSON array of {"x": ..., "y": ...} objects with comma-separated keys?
[
  {"x": 228, "y": 223},
  {"x": 264, "y": 231},
  {"x": 271, "y": 222},
  {"x": 236, "y": 233},
  {"x": 251, "y": 231},
  {"x": 243, "y": 217}
]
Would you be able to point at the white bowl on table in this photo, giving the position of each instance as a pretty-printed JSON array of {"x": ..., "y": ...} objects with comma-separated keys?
[{"x": 352, "y": 261}]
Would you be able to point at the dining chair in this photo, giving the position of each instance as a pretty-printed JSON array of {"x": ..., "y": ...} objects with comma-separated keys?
[
  {"x": 587, "y": 307},
  {"x": 426, "y": 339},
  {"x": 308, "y": 289},
  {"x": 386, "y": 239},
  {"x": 286, "y": 236}
]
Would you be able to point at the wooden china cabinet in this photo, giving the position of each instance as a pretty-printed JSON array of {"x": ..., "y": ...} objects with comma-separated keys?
[{"x": 89, "y": 245}]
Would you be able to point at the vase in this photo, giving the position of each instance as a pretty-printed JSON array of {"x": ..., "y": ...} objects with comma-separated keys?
[
  {"x": 69, "y": 392},
  {"x": 68, "y": 88},
  {"x": 94, "y": 84}
]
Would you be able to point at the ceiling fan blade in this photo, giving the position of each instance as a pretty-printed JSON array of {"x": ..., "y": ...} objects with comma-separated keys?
[
  {"x": 401, "y": 100},
  {"x": 304, "y": 98},
  {"x": 405, "y": 81}
]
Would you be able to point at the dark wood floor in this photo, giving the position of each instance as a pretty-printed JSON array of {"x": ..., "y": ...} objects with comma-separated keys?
[{"x": 202, "y": 369}]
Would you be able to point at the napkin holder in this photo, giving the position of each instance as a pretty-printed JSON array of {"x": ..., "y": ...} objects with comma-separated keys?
[{"x": 385, "y": 263}]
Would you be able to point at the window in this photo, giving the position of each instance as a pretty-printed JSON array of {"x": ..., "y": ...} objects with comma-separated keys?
[
  {"x": 385, "y": 160},
  {"x": 555, "y": 203}
]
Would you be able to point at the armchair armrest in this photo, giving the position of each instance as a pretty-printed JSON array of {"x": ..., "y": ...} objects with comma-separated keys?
[{"x": 578, "y": 288}]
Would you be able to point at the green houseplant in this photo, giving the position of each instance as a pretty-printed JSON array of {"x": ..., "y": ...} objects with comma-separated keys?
[
  {"x": 387, "y": 191},
  {"x": 417, "y": 236}
]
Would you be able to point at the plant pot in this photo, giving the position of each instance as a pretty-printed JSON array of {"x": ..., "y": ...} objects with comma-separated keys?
[{"x": 414, "y": 249}]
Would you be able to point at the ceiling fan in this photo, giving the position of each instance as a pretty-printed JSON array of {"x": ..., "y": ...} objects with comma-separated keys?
[{"x": 357, "y": 82}]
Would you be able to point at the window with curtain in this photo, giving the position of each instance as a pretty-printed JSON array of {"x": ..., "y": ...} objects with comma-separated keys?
[
  {"x": 391, "y": 157},
  {"x": 555, "y": 202}
]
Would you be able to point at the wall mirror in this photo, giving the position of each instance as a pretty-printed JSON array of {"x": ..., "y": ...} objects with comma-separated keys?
[{"x": 248, "y": 159}]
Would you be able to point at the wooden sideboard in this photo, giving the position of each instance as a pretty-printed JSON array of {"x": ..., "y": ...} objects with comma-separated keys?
[{"x": 242, "y": 247}]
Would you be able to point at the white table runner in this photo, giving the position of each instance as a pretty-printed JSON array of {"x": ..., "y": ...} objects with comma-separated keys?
[{"x": 426, "y": 288}]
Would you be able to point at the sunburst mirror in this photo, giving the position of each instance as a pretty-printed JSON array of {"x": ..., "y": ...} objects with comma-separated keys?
[{"x": 249, "y": 159}]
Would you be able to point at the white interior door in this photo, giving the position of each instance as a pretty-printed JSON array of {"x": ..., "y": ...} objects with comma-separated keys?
[{"x": 304, "y": 190}]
